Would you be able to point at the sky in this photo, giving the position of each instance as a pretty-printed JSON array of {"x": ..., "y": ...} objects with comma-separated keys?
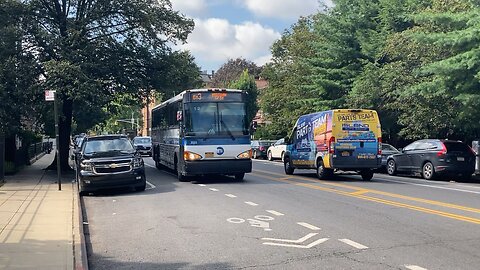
[{"x": 229, "y": 29}]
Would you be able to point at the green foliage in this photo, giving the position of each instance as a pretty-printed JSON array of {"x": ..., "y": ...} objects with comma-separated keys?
[
  {"x": 232, "y": 70},
  {"x": 247, "y": 82}
]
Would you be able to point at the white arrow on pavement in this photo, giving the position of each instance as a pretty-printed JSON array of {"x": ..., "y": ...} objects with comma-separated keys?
[{"x": 298, "y": 241}]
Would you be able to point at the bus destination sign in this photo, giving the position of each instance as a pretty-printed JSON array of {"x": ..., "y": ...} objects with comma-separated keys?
[{"x": 215, "y": 96}]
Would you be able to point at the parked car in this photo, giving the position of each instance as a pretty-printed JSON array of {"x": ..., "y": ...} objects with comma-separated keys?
[
  {"x": 277, "y": 150},
  {"x": 143, "y": 145},
  {"x": 433, "y": 158},
  {"x": 109, "y": 161},
  {"x": 387, "y": 150},
  {"x": 259, "y": 148}
]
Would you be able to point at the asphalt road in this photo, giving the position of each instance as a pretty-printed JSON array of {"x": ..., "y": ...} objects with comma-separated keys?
[{"x": 275, "y": 221}]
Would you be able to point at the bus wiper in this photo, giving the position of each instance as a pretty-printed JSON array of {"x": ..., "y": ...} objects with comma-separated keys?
[{"x": 226, "y": 128}]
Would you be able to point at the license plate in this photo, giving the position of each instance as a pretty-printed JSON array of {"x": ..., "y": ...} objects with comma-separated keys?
[
  {"x": 460, "y": 159},
  {"x": 209, "y": 154},
  {"x": 345, "y": 154}
]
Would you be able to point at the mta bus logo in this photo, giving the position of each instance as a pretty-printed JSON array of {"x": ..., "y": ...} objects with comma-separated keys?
[{"x": 220, "y": 151}]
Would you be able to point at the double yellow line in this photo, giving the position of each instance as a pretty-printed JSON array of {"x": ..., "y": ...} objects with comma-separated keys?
[{"x": 360, "y": 194}]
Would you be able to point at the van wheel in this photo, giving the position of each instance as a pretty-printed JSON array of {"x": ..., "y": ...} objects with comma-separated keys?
[
  {"x": 391, "y": 167},
  {"x": 322, "y": 172},
  {"x": 428, "y": 171},
  {"x": 254, "y": 154},
  {"x": 269, "y": 155},
  {"x": 288, "y": 167},
  {"x": 367, "y": 175}
]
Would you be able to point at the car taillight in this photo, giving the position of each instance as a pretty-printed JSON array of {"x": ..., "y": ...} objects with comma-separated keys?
[
  {"x": 331, "y": 144},
  {"x": 443, "y": 151},
  {"x": 379, "y": 146},
  {"x": 471, "y": 150},
  {"x": 261, "y": 148}
]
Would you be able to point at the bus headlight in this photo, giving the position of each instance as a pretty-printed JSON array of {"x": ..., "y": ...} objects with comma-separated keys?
[
  {"x": 246, "y": 154},
  {"x": 191, "y": 156},
  {"x": 86, "y": 166}
]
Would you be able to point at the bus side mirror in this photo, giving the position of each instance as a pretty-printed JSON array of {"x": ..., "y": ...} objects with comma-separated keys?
[{"x": 179, "y": 115}]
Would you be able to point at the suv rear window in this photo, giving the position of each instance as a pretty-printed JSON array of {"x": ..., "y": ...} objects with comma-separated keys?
[{"x": 456, "y": 147}]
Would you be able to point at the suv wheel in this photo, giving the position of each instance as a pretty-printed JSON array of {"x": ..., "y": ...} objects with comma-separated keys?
[
  {"x": 269, "y": 155},
  {"x": 428, "y": 171},
  {"x": 391, "y": 167},
  {"x": 239, "y": 176},
  {"x": 254, "y": 154}
]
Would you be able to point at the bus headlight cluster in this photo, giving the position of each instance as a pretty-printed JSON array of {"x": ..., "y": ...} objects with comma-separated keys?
[
  {"x": 246, "y": 154},
  {"x": 190, "y": 156}
]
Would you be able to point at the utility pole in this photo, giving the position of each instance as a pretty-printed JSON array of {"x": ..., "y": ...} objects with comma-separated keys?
[
  {"x": 57, "y": 141},
  {"x": 148, "y": 113}
]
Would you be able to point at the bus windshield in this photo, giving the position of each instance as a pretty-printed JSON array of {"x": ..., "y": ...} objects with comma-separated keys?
[{"x": 215, "y": 118}]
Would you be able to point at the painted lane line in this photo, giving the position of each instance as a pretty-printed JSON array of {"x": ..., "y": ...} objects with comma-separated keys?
[
  {"x": 309, "y": 226},
  {"x": 213, "y": 189},
  {"x": 414, "y": 267},
  {"x": 150, "y": 166},
  {"x": 314, "y": 243},
  {"x": 151, "y": 186},
  {"x": 273, "y": 212},
  {"x": 231, "y": 195},
  {"x": 202, "y": 185},
  {"x": 353, "y": 244},
  {"x": 251, "y": 203},
  {"x": 431, "y": 186},
  {"x": 298, "y": 241}
]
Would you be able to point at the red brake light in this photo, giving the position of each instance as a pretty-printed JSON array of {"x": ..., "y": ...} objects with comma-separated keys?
[
  {"x": 379, "y": 146},
  {"x": 443, "y": 151},
  {"x": 331, "y": 142}
]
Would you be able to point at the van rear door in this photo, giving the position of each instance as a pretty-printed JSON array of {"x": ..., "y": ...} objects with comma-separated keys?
[{"x": 357, "y": 143}]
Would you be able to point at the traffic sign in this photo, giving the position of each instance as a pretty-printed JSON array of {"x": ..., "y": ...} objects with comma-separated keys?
[{"x": 49, "y": 95}]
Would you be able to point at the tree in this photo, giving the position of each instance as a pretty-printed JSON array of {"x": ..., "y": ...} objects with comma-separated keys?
[
  {"x": 19, "y": 72},
  {"x": 90, "y": 51},
  {"x": 232, "y": 70},
  {"x": 247, "y": 82}
]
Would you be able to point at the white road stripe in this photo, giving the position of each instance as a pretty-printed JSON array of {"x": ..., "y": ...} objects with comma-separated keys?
[
  {"x": 309, "y": 226},
  {"x": 150, "y": 166},
  {"x": 230, "y": 195},
  {"x": 301, "y": 240},
  {"x": 152, "y": 186},
  {"x": 414, "y": 267},
  {"x": 353, "y": 244},
  {"x": 431, "y": 186},
  {"x": 213, "y": 189},
  {"x": 273, "y": 212},
  {"x": 202, "y": 185},
  {"x": 251, "y": 203}
]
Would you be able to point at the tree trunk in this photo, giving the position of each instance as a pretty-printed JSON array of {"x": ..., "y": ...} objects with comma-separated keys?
[{"x": 65, "y": 128}]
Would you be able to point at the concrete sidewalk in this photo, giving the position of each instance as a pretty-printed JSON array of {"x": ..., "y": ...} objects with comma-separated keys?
[{"x": 39, "y": 225}]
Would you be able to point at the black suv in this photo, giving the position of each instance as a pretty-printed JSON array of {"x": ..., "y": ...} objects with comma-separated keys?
[
  {"x": 434, "y": 157},
  {"x": 109, "y": 161}
]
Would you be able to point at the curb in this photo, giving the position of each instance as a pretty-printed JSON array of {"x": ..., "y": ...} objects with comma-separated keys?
[{"x": 79, "y": 246}]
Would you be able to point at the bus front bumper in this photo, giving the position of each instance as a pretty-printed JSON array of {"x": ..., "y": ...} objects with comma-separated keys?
[{"x": 229, "y": 167}]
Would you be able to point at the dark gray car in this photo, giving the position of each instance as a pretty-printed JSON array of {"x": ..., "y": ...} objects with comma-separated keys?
[
  {"x": 434, "y": 157},
  {"x": 387, "y": 150}
]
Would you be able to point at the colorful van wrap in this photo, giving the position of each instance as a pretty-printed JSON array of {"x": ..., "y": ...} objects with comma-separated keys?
[{"x": 342, "y": 139}]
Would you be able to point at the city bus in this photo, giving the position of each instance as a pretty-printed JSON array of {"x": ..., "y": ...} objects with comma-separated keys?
[{"x": 202, "y": 132}]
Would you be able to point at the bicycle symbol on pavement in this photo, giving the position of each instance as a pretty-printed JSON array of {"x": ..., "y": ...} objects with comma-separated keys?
[{"x": 259, "y": 221}]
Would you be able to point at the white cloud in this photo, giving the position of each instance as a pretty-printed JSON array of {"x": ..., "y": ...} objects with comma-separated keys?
[
  {"x": 284, "y": 9},
  {"x": 190, "y": 7},
  {"x": 214, "y": 41}
]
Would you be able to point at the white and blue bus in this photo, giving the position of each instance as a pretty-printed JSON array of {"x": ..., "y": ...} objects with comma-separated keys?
[{"x": 202, "y": 132}]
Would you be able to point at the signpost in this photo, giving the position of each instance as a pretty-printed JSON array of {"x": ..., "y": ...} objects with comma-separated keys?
[{"x": 52, "y": 96}]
